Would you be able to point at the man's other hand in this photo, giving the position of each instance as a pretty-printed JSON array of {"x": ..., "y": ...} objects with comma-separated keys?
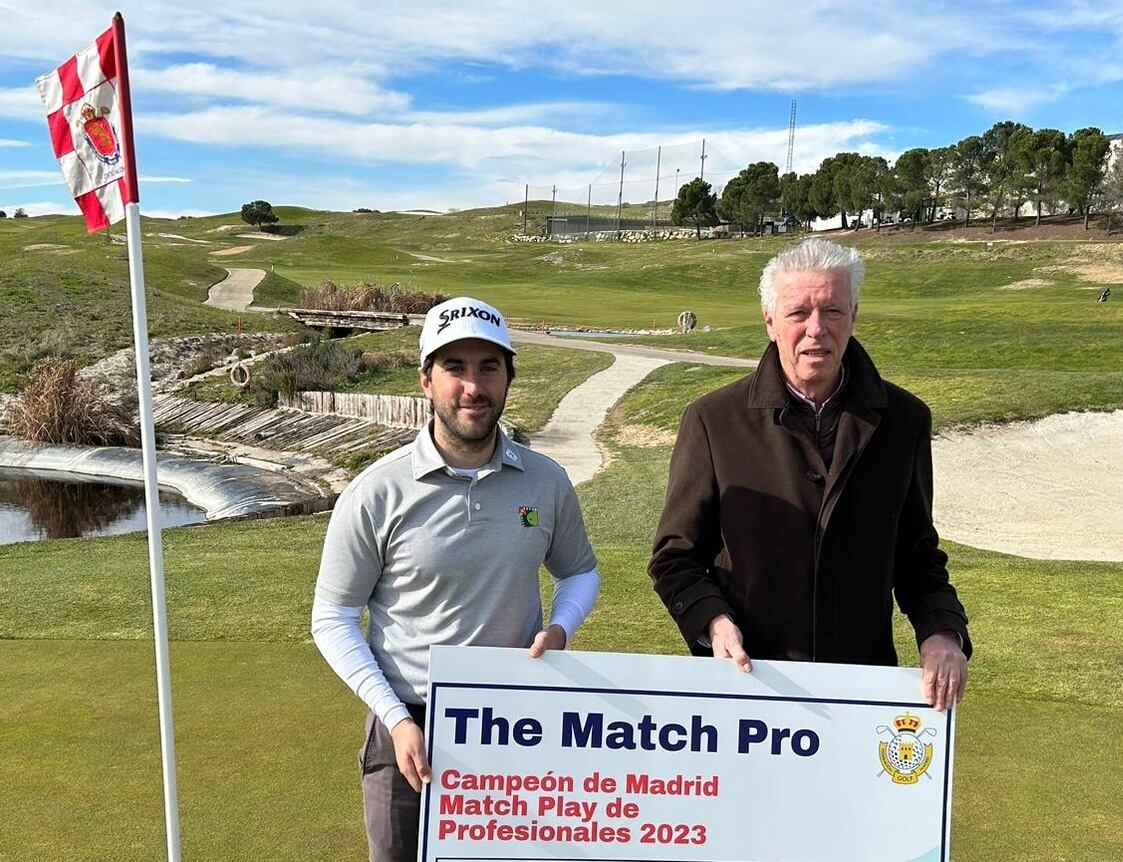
[
  {"x": 548, "y": 639},
  {"x": 409, "y": 749},
  {"x": 726, "y": 640},
  {"x": 945, "y": 669}
]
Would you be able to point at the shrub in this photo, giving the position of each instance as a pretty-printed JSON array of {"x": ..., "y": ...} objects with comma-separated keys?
[
  {"x": 56, "y": 407},
  {"x": 368, "y": 296},
  {"x": 323, "y": 365},
  {"x": 291, "y": 339}
]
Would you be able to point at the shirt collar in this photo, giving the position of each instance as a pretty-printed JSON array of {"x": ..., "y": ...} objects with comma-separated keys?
[
  {"x": 427, "y": 459},
  {"x": 803, "y": 399}
]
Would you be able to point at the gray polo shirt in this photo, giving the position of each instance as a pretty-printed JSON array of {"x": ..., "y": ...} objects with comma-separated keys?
[{"x": 439, "y": 558}]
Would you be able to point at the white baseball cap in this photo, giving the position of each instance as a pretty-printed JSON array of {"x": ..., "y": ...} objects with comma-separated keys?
[{"x": 460, "y": 318}]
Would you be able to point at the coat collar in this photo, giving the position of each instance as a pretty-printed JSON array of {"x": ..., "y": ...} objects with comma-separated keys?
[{"x": 865, "y": 390}]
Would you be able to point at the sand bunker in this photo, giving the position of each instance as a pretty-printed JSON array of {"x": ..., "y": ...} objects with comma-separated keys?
[
  {"x": 227, "y": 252},
  {"x": 1026, "y": 284},
  {"x": 1051, "y": 489},
  {"x": 272, "y": 237},
  {"x": 46, "y": 246},
  {"x": 184, "y": 238}
]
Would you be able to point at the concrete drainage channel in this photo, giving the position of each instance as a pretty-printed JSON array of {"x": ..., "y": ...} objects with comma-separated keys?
[{"x": 222, "y": 490}]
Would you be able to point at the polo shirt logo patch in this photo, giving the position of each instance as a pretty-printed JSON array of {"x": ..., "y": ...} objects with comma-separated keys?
[{"x": 528, "y": 515}]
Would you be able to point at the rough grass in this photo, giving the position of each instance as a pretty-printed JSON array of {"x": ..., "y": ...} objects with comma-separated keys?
[{"x": 73, "y": 300}]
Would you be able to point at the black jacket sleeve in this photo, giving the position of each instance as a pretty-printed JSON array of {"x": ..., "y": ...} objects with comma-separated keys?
[
  {"x": 921, "y": 583},
  {"x": 688, "y": 538}
]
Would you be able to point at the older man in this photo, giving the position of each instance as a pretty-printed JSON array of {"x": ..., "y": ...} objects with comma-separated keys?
[
  {"x": 800, "y": 498},
  {"x": 441, "y": 542}
]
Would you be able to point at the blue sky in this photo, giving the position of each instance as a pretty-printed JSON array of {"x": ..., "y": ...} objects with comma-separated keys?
[{"x": 438, "y": 104}]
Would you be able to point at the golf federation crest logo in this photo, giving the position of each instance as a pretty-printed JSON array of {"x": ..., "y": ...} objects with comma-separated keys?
[
  {"x": 903, "y": 755},
  {"x": 528, "y": 515}
]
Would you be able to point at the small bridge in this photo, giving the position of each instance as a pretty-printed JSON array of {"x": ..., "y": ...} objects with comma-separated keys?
[{"x": 372, "y": 320}]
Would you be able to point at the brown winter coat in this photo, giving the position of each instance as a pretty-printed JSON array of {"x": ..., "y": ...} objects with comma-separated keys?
[{"x": 805, "y": 560}]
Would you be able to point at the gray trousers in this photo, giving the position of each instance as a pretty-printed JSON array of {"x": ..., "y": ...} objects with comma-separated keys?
[{"x": 391, "y": 808}]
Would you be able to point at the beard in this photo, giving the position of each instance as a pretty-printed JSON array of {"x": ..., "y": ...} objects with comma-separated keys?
[{"x": 469, "y": 431}]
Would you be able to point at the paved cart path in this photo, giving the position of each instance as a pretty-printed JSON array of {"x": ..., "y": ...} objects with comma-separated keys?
[{"x": 235, "y": 292}]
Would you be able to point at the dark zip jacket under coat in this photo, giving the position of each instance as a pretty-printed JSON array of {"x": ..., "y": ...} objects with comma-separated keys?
[{"x": 805, "y": 560}]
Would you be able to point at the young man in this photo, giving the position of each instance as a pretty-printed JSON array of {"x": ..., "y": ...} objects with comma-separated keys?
[{"x": 441, "y": 541}]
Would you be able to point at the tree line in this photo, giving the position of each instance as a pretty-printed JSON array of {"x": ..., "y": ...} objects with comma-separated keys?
[{"x": 1003, "y": 169}]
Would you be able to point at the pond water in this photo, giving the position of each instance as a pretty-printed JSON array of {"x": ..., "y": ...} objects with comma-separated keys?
[{"x": 39, "y": 505}]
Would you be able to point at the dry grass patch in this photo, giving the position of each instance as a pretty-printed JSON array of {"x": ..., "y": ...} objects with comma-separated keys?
[
  {"x": 56, "y": 407},
  {"x": 644, "y": 436},
  {"x": 369, "y": 296}
]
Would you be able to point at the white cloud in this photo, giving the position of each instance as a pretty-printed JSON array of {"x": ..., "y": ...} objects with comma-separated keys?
[
  {"x": 729, "y": 44},
  {"x": 1016, "y": 101},
  {"x": 302, "y": 89},
  {"x": 512, "y": 114},
  {"x": 8, "y": 142},
  {"x": 525, "y": 149},
  {"x": 22, "y": 103},
  {"x": 15, "y": 179}
]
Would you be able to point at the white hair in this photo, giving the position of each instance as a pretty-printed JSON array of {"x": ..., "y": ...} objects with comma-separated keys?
[{"x": 813, "y": 255}]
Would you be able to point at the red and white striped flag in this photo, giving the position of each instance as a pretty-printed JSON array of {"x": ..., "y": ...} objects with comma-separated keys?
[{"x": 84, "y": 116}]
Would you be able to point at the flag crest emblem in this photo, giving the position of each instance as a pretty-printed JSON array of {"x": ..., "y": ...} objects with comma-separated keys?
[
  {"x": 100, "y": 135},
  {"x": 528, "y": 515}
]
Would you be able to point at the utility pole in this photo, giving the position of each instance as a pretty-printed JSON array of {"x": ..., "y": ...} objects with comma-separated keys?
[
  {"x": 554, "y": 200},
  {"x": 620, "y": 197},
  {"x": 526, "y": 203},
  {"x": 655, "y": 207},
  {"x": 791, "y": 139},
  {"x": 702, "y": 170},
  {"x": 589, "y": 211}
]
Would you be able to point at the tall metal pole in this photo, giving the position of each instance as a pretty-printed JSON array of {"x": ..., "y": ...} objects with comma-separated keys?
[
  {"x": 620, "y": 197},
  {"x": 702, "y": 170},
  {"x": 526, "y": 204},
  {"x": 554, "y": 200},
  {"x": 655, "y": 208},
  {"x": 148, "y": 447},
  {"x": 589, "y": 211},
  {"x": 791, "y": 139}
]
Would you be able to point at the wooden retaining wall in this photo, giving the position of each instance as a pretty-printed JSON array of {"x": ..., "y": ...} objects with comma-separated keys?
[
  {"x": 393, "y": 411},
  {"x": 275, "y": 428}
]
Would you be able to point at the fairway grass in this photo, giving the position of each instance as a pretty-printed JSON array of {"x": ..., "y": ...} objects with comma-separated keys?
[
  {"x": 267, "y": 743},
  {"x": 267, "y": 736}
]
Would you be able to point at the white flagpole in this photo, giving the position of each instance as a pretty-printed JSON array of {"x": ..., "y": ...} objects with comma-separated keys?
[
  {"x": 148, "y": 449},
  {"x": 155, "y": 536}
]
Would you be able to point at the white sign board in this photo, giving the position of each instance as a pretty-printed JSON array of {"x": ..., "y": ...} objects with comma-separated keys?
[{"x": 605, "y": 756}]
